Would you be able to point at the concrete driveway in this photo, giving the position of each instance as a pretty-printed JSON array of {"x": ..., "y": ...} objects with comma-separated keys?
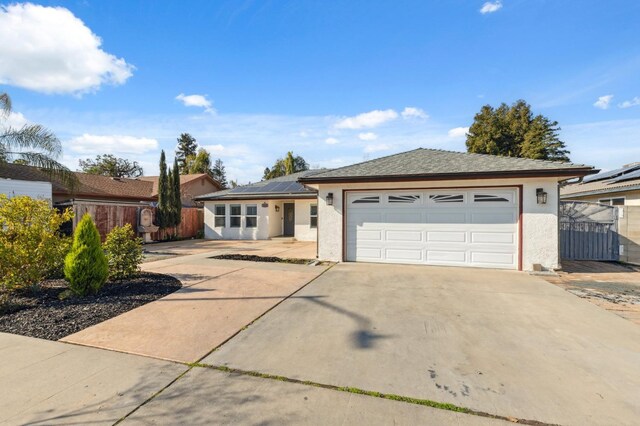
[
  {"x": 498, "y": 342},
  {"x": 218, "y": 299}
]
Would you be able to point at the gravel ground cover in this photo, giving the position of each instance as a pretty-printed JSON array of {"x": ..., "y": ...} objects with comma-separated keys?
[{"x": 41, "y": 313}]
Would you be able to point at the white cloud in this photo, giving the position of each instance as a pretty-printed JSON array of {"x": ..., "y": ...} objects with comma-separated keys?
[
  {"x": 111, "y": 144},
  {"x": 331, "y": 141},
  {"x": 603, "y": 102},
  {"x": 490, "y": 7},
  {"x": 199, "y": 101},
  {"x": 367, "y": 119},
  {"x": 49, "y": 50},
  {"x": 631, "y": 103},
  {"x": 229, "y": 151},
  {"x": 15, "y": 120},
  {"x": 458, "y": 132},
  {"x": 369, "y": 136},
  {"x": 412, "y": 112},
  {"x": 376, "y": 148}
]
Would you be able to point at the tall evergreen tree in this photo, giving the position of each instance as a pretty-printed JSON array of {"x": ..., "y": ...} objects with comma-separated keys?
[
  {"x": 187, "y": 147},
  {"x": 219, "y": 173},
  {"x": 285, "y": 166},
  {"x": 513, "y": 131},
  {"x": 176, "y": 200},
  {"x": 163, "y": 215}
]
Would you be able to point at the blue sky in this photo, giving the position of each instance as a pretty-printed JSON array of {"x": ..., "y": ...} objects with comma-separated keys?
[{"x": 336, "y": 82}]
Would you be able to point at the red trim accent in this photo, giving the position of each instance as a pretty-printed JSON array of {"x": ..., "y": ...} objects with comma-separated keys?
[
  {"x": 344, "y": 225},
  {"x": 520, "y": 217},
  {"x": 520, "y": 210}
]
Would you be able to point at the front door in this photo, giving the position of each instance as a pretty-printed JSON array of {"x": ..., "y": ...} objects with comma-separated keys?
[{"x": 289, "y": 219}]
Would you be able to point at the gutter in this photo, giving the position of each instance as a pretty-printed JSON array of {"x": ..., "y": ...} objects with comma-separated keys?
[
  {"x": 601, "y": 191},
  {"x": 576, "y": 172},
  {"x": 239, "y": 197}
]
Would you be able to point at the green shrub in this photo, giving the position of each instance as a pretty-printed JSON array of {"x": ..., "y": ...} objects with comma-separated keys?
[
  {"x": 124, "y": 252},
  {"x": 85, "y": 267},
  {"x": 31, "y": 248}
]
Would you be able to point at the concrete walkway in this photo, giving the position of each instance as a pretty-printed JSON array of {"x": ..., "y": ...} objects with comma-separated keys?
[
  {"x": 43, "y": 382},
  {"x": 284, "y": 248},
  {"x": 218, "y": 300}
]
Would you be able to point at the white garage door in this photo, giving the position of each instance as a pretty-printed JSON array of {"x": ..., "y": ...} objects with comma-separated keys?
[{"x": 475, "y": 227}]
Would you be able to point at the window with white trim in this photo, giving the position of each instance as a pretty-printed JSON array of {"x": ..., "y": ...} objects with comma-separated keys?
[
  {"x": 251, "y": 216},
  {"x": 220, "y": 211},
  {"x": 235, "y": 215},
  {"x": 313, "y": 216},
  {"x": 404, "y": 199},
  {"x": 612, "y": 201},
  {"x": 446, "y": 198},
  {"x": 371, "y": 199}
]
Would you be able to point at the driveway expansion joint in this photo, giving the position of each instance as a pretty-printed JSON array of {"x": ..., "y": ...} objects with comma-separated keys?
[{"x": 352, "y": 390}]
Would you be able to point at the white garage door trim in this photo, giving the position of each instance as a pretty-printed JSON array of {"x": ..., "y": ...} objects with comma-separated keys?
[{"x": 478, "y": 227}]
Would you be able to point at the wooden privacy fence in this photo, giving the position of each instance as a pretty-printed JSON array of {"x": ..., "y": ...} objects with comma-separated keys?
[
  {"x": 108, "y": 216},
  {"x": 588, "y": 231}
]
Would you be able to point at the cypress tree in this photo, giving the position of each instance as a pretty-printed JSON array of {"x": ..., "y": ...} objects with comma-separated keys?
[
  {"x": 176, "y": 198},
  {"x": 163, "y": 215},
  {"x": 86, "y": 267}
]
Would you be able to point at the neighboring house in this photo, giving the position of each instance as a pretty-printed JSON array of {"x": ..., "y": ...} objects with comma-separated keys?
[
  {"x": 620, "y": 187},
  {"x": 442, "y": 208},
  {"x": 271, "y": 208},
  {"x": 33, "y": 189},
  {"x": 191, "y": 186},
  {"x": 109, "y": 190}
]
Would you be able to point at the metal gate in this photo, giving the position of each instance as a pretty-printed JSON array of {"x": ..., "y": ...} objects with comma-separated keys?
[{"x": 588, "y": 231}]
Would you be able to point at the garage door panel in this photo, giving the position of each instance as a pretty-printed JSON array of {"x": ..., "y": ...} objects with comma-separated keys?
[
  {"x": 489, "y": 258},
  {"x": 459, "y": 229},
  {"x": 369, "y": 234},
  {"x": 369, "y": 253},
  {"x": 493, "y": 237},
  {"x": 447, "y": 256},
  {"x": 446, "y": 217},
  {"x": 447, "y": 236},
  {"x": 404, "y": 236},
  {"x": 410, "y": 255},
  {"x": 493, "y": 217}
]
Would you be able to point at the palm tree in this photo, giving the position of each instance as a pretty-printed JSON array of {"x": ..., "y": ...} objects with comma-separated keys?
[{"x": 32, "y": 145}]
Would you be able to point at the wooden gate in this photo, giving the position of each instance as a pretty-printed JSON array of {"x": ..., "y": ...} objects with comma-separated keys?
[{"x": 588, "y": 231}]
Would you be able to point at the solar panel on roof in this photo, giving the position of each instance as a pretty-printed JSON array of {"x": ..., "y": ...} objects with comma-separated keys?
[
  {"x": 626, "y": 176},
  {"x": 611, "y": 173}
]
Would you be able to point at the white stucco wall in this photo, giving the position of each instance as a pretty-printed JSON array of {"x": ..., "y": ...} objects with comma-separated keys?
[
  {"x": 261, "y": 232},
  {"x": 303, "y": 230},
  {"x": 270, "y": 222},
  {"x": 539, "y": 223},
  {"x": 33, "y": 189}
]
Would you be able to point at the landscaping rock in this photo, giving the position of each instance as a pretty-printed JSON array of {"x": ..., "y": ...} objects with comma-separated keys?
[{"x": 41, "y": 313}]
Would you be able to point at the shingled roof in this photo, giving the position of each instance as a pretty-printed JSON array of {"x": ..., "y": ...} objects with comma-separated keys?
[
  {"x": 184, "y": 179},
  {"x": 90, "y": 186},
  {"x": 435, "y": 164}
]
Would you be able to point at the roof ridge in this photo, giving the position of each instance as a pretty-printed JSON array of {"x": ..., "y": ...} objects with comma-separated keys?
[
  {"x": 374, "y": 159},
  {"x": 505, "y": 156}
]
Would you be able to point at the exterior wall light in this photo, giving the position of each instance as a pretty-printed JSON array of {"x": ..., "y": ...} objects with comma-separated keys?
[
  {"x": 541, "y": 196},
  {"x": 277, "y": 208},
  {"x": 329, "y": 199}
]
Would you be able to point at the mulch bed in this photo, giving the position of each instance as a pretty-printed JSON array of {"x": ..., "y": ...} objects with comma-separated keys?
[
  {"x": 40, "y": 313},
  {"x": 254, "y": 258}
]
